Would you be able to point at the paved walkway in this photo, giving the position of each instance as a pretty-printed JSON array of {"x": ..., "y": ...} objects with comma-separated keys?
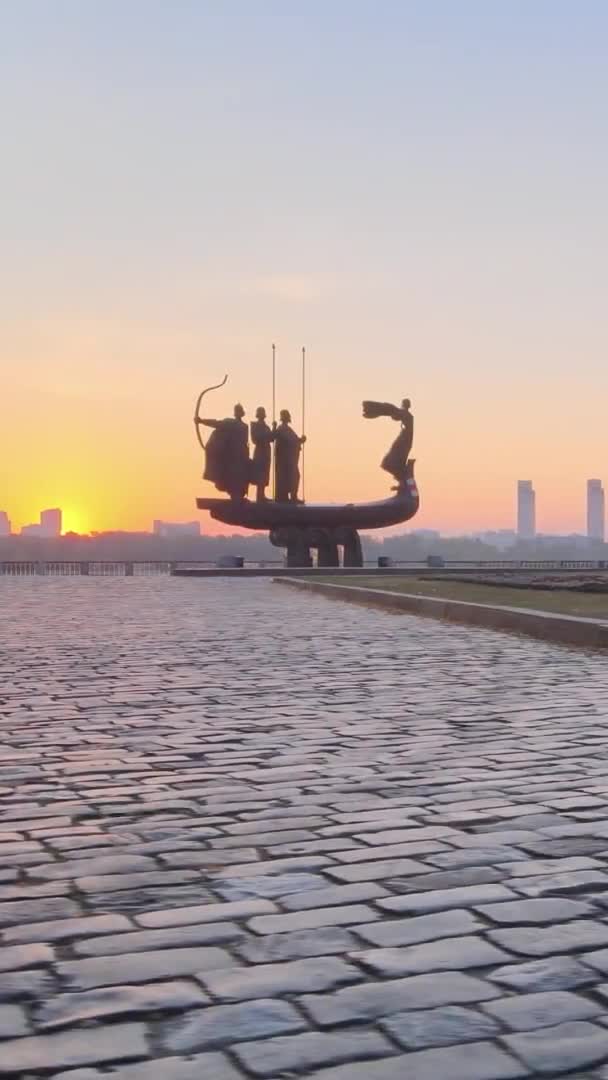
[{"x": 250, "y": 833}]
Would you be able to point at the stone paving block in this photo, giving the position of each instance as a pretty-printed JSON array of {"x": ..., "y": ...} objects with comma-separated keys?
[
  {"x": 21, "y": 985},
  {"x": 221, "y": 1025},
  {"x": 389, "y": 851},
  {"x": 372, "y": 1000},
  {"x": 161, "y": 879},
  {"x": 307, "y": 920},
  {"x": 297, "y": 977},
  {"x": 198, "y": 1067},
  {"x": 448, "y": 879},
  {"x": 527, "y": 1012},
  {"x": 145, "y": 940},
  {"x": 106, "y": 864},
  {"x": 32, "y": 860},
  {"x": 519, "y": 912},
  {"x": 149, "y": 898},
  {"x": 281, "y": 812},
  {"x": 333, "y": 894},
  {"x": 545, "y": 940},
  {"x": 268, "y": 886},
  {"x": 473, "y": 1061},
  {"x": 316, "y": 847},
  {"x": 424, "y": 1028},
  {"x": 414, "y": 929},
  {"x": 560, "y": 1049},
  {"x": 67, "y": 929},
  {"x": 450, "y": 954},
  {"x": 240, "y": 909},
  {"x": 298, "y": 945},
  {"x": 597, "y": 960},
  {"x": 499, "y": 836},
  {"x": 92, "y": 1005},
  {"x": 475, "y": 856},
  {"x": 379, "y": 834},
  {"x": 19, "y": 848},
  {"x": 443, "y": 899},
  {"x": 552, "y": 973},
  {"x": 35, "y": 823},
  {"x": 141, "y": 967},
  {"x": 120, "y": 1042},
  {"x": 375, "y": 871},
  {"x": 264, "y": 839},
  {"x": 208, "y": 860},
  {"x": 24, "y": 956},
  {"x": 13, "y": 1022},
  {"x": 301, "y": 1053},
  {"x": 19, "y": 890},
  {"x": 579, "y": 882},
  {"x": 274, "y": 866},
  {"x": 577, "y": 845}
]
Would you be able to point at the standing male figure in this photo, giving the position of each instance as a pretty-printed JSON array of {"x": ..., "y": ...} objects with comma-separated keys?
[
  {"x": 287, "y": 459},
  {"x": 262, "y": 437},
  {"x": 227, "y": 463}
]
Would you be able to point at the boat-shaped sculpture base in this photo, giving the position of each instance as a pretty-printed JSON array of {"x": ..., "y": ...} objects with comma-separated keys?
[{"x": 325, "y": 527}]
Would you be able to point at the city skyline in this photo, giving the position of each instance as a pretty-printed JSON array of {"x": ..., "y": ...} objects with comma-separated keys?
[
  {"x": 524, "y": 524},
  {"x": 437, "y": 238}
]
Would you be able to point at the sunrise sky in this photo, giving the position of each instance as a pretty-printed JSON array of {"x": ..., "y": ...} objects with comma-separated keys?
[{"x": 415, "y": 190}]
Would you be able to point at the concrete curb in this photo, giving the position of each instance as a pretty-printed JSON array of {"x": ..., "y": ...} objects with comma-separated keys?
[{"x": 565, "y": 629}]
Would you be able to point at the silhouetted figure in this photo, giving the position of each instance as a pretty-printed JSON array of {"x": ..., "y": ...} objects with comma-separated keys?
[
  {"x": 395, "y": 461},
  {"x": 262, "y": 437},
  {"x": 287, "y": 459},
  {"x": 227, "y": 463}
]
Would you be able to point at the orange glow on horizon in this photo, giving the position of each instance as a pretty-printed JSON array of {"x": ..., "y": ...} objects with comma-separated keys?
[{"x": 117, "y": 450}]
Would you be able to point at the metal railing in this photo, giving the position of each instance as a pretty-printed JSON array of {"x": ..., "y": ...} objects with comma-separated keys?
[
  {"x": 155, "y": 568},
  {"x": 84, "y": 568}
]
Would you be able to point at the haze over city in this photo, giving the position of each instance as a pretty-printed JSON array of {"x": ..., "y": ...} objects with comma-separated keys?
[{"x": 181, "y": 194}]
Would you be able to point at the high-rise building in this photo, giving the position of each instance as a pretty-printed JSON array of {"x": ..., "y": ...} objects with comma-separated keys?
[
  {"x": 596, "y": 510},
  {"x": 5, "y": 525},
  {"x": 175, "y": 528},
  {"x": 50, "y": 523},
  {"x": 526, "y": 510},
  {"x": 48, "y": 527}
]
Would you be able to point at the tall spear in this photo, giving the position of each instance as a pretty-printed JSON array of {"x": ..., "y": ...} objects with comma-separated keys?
[
  {"x": 274, "y": 418},
  {"x": 303, "y": 423}
]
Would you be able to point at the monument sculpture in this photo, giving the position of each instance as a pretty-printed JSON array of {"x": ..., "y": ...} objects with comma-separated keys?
[
  {"x": 292, "y": 524},
  {"x": 262, "y": 438}
]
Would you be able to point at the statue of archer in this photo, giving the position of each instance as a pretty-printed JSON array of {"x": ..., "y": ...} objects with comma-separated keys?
[{"x": 227, "y": 463}]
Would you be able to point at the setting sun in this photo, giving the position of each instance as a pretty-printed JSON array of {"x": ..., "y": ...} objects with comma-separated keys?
[{"x": 74, "y": 520}]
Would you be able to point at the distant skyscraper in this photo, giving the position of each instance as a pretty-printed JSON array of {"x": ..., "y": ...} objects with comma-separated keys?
[
  {"x": 526, "y": 510},
  {"x": 50, "y": 523},
  {"x": 5, "y": 525},
  {"x": 596, "y": 512}
]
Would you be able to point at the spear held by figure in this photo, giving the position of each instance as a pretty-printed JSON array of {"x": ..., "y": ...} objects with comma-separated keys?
[{"x": 395, "y": 461}]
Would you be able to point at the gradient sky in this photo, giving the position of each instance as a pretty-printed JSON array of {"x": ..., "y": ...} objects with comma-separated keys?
[{"x": 414, "y": 190}]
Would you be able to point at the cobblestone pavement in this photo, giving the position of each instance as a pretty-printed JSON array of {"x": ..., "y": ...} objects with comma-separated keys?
[{"x": 246, "y": 832}]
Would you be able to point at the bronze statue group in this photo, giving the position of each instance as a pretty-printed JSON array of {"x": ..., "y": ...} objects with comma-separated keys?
[{"x": 230, "y": 467}]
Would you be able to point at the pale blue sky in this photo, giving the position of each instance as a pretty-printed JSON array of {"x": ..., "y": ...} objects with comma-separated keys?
[{"x": 416, "y": 190}]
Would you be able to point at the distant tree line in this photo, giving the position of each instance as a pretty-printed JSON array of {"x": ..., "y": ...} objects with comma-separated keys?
[{"x": 119, "y": 546}]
